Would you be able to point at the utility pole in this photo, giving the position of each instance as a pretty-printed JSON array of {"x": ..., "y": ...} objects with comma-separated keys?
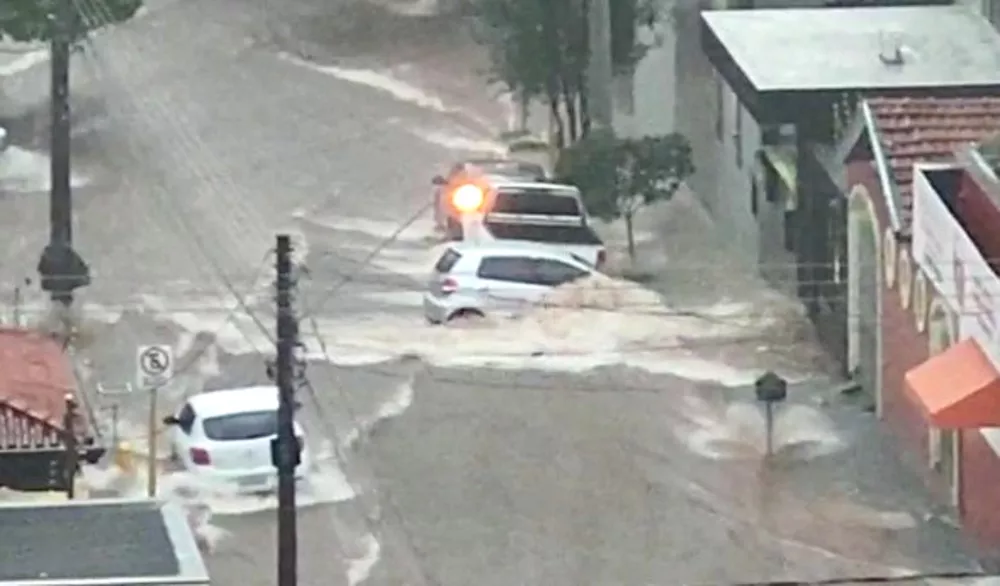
[
  {"x": 62, "y": 270},
  {"x": 599, "y": 71},
  {"x": 285, "y": 449}
]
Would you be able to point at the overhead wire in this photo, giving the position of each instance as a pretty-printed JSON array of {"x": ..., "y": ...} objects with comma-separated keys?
[
  {"x": 312, "y": 311},
  {"x": 246, "y": 309}
]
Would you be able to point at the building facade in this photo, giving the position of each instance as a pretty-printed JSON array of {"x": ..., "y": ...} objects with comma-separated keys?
[
  {"x": 39, "y": 406},
  {"x": 907, "y": 322}
]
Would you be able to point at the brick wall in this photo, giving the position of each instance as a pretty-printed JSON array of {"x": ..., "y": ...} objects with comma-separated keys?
[{"x": 903, "y": 347}]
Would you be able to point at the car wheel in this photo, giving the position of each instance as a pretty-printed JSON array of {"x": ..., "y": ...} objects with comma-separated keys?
[{"x": 466, "y": 314}]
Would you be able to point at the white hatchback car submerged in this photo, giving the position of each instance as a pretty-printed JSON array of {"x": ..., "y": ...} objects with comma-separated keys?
[
  {"x": 225, "y": 437},
  {"x": 505, "y": 279}
]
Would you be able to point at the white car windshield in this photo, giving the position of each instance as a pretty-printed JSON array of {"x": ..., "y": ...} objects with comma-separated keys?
[{"x": 242, "y": 426}]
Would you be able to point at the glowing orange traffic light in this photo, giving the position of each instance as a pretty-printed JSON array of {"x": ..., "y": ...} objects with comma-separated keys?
[{"x": 468, "y": 198}]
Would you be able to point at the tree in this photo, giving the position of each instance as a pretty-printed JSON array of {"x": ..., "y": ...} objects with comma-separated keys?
[
  {"x": 540, "y": 49},
  {"x": 617, "y": 177},
  {"x": 32, "y": 20}
]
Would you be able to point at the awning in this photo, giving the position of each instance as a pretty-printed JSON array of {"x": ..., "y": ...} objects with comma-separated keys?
[{"x": 958, "y": 388}]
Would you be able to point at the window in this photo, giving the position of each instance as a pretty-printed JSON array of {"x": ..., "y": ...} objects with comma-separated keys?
[
  {"x": 555, "y": 273},
  {"x": 738, "y": 131},
  {"x": 512, "y": 269},
  {"x": 185, "y": 418},
  {"x": 991, "y": 10},
  {"x": 242, "y": 426},
  {"x": 720, "y": 108},
  {"x": 754, "y": 197},
  {"x": 447, "y": 261},
  {"x": 540, "y": 202}
]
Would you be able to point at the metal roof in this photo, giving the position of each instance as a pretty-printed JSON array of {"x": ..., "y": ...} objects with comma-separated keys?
[
  {"x": 98, "y": 543},
  {"x": 839, "y": 48}
]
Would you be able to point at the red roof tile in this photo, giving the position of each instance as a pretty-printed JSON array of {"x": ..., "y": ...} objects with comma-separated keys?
[
  {"x": 35, "y": 374},
  {"x": 923, "y": 129}
]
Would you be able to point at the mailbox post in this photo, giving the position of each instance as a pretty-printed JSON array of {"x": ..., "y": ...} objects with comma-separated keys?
[{"x": 770, "y": 389}]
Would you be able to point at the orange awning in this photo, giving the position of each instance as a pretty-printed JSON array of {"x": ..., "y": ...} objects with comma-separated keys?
[{"x": 958, "y": 388}]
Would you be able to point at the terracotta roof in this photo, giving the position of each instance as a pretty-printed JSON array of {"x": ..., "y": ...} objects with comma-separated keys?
[
  {"x": 35, "y": 374},
  {"x": 923, "y": 129}
]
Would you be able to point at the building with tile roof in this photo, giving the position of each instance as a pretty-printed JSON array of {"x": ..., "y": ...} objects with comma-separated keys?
[
  {"x": 923, "y": 226},
  {"x": 36, "y": 380},
  {"x": 904, "y": 130}
]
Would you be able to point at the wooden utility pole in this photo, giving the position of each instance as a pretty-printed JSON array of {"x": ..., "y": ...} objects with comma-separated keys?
[{"x": 285, "y": 449}]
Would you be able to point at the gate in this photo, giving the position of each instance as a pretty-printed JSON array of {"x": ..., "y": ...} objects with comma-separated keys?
[{"x": 32, "y": 451}]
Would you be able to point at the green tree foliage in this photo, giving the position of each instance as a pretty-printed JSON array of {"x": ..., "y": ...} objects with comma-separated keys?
[
  {"x": 31, "y": 20},
  {"x": 540, "y": 49},
  {"x": 617, "y": 177}
]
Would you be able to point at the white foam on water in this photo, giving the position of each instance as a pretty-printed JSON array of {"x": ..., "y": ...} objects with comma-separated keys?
[
  {"x": 25, "y": 171},
  {"x": 419, "y": 231},
  {"x": 462, "y": 143},
  {"x": 379, "y": 80},
  {"x": 23, "y": 62},
  {"x": 738, "y": 431},
  {"x": 360, "y": 569},
  {"x": 398, "y": 403},
  {"x": 586, "y": 325},
  {"x": 401, "y": 298},
  {"x": 416, "y": 8}
]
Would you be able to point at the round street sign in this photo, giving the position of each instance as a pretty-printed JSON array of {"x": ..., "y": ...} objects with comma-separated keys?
[{"x": 154, "y": 361}]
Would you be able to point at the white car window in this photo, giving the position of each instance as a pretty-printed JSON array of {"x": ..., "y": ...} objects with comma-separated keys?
[
  {"x": 512, "y": 269},
  {"x": 241, "y": 426},
  {"x": 555, "y": 273}
]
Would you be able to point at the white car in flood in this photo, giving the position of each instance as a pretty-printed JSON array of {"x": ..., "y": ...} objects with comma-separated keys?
[{"x": 225, "y": 437}]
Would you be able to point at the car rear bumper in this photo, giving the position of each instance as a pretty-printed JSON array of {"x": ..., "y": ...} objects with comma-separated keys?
[
  {"x": 254, "y": 480},
  {"x": 435, "y": 310}
]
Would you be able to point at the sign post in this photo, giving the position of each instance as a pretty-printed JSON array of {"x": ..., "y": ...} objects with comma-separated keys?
[{"x": 154, "y": 368}]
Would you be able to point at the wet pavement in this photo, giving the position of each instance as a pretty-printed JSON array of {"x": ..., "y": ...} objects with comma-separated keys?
[{"x": 548, "y": 451}]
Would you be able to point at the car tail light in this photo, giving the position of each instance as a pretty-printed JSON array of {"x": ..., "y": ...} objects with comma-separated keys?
[
  {"x": 602, "y": 255},
  {"x": 449, "y": 286},
  {"x": 200, "y": 456}
]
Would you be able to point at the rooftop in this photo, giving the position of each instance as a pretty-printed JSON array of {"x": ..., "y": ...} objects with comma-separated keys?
[
  {"x": 35, "y": 374},
  {"x": 921, "y": 129},
  {"x": 941, "y": 46},
  {"x": 105, "y": 542}
]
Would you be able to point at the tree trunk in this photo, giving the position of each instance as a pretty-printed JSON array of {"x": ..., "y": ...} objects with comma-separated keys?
[
  {"x": 630, "y": 234},
  {"x": 524, "y": 104},
  {"x": 572, "y": 121},
  {"x": 584, "y": 110},
  {"x": 556, "y": 120}
]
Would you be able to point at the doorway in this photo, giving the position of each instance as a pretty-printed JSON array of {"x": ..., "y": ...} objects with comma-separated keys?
[
  {"x": 945, "y": 447},
  {"x": 864, "y": 303}
]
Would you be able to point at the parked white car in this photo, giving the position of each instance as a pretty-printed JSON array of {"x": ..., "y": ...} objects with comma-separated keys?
[
  {"x": 507, "y": 280},
  {"x": 225, "y": 436}
]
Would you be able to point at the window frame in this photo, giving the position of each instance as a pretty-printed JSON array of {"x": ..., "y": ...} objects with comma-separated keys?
[
  {"x": 738, "y": 132},
  {"x": 540, "y": 262},
  {"x": 491, "y": 277}
]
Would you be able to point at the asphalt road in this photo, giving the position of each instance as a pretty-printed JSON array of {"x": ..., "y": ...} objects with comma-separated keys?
[{"x": 499, "y": 457}]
